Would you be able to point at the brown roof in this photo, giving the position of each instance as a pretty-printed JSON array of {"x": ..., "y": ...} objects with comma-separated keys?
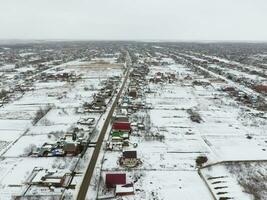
[{"x": 129, "y": 154}]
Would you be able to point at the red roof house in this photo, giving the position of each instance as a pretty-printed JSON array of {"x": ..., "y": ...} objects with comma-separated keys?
[
  {"x": 121, "y": 126},
  {"x": 115, "y": 179}
]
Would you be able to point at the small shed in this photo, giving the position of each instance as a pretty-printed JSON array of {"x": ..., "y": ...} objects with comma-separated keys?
[
  {"x": 122, "y": 190},
  {"x": 129, "y": 159},
  {"x": 115, "y": 179}
]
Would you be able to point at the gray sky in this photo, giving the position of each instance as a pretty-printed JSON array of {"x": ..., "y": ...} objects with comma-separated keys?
[{"x": 134, "y": 19}]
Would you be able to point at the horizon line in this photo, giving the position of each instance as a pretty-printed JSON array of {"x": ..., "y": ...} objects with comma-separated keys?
[{"x": 132, "y": 40}]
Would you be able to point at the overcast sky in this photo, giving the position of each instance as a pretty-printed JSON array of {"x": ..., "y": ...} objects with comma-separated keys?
[{"x": 134, "y": 19}]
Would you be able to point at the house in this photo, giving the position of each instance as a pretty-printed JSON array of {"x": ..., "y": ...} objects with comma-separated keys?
[
  {"x": 129, "y": 159},
  {"x": 132, "y": 92},
  {"x": 121, "y": 126},
  {"x": 123, "y": 190},
  {"x": 44, "y": 177},
  {"x": 99, "y": 101},
  {"x": 72, "y": 148},
  {"x": 115, "y": 179}
]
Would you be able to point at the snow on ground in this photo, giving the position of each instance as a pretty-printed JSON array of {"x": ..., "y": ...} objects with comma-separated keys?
[
  {"x": 16, "y": 125},
  {"x": 7, "y": 67},
  {"x": 186, "y": 185},
  {"x": 46, "y": 129},
  {"x": 14, "y": 172},
  {"x": 251, "y": 176},
  {"x": 23, "y": 146},
  {"x": 59, "y": 116},
  {"x": 221, "y": 135},
  {"x": 18, "y": 133},
  {"x": 170, "y": 185},
  {"x": 223, "y": 184},
  {"x": 10, "y": 135},
  {"x": 236, "y": 148}
]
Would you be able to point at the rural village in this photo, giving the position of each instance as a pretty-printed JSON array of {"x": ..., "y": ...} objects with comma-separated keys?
[{"x": 133, "y": 120}]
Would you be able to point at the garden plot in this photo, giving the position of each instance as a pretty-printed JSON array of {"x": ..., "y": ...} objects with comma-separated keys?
[
  {"x": 186, "y": 144},
  {"x": 10, "y": 135},
  {"x": 59, "y": 121},
  {"x": 168, "y": 185},
  {"x": 19, "y": 115},
  {"x": 50, "y": 85},
  {"x": 25, "y": 69},
  {"x": 91, "y": 83},
  {"x": 218, "y": 118},
  {"x": 95, "y": 70},
  {"x": 172, "y": 91},
  {"x": 104, "y": 59},
  {"x": 169, "y": 118},
  {"x": 43, "y": 193},
  {"x": 166, "y": 59},
  {"x": 101, "y": 73},
  {"x": 180, "y": 69},
  {"x": 153, "y": 160},
  {"x": 16, "y": 125},
  {"x": 59, "y": 116},
  {"x": 261, "y": 141},
  {"x": 173, "y": 68},
  {"x": 179, "y": 152},
  {"x": 18, "y": 112},
  {"x": 10, "y": 131},
  {"x": 223, "y": 184},
  {"x": 39, "y": 97},
  {"x": 173, "y": 153},
  {"x": 4, "y": 145},
  {"x": 219, "y": 128},
  {"x": 14, "y": 172},
  {"x": 61, "y": 94},
  {"x": 236, "y": 148},
  {"x": 86, "y": 87},
  {"x": 27, "y": 143},
  {"x": 56, "y": 128},
  {"x": 7, "y": 67},
  {"x": 220, "y": 115},
  {"x": 81, "y": 92},
  {"x": 171, "y": 97}
]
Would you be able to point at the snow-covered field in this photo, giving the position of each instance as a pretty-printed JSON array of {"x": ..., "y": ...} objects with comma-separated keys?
[
  {"x": 231, "y": 135},
  {"x": 19, "y": 134},
  {"x": 168, "y": 169}
]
